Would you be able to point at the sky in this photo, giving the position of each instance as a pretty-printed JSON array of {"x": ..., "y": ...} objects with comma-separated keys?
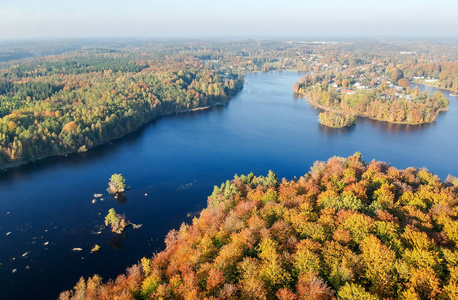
[{"x": 44, "y": 19}]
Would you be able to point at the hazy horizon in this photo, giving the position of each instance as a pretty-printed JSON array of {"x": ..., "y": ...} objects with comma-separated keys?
[{"x": 53, "y": 19}]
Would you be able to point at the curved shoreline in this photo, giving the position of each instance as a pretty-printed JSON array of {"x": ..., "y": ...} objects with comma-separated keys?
[
  {"x": 21, "y": 163},
  {"x": 434, "y": 86},
  {"x": 331, "y": 109}
]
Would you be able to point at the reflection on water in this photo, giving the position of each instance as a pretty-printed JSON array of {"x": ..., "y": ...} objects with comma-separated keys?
[
  {"x": 393, "y": 127},
  {"x": 333, "y": 131},
  {"x": 77, "y": 159},
  {"x": 117, "y": 241},
  {"x": 121, "y": 198}
]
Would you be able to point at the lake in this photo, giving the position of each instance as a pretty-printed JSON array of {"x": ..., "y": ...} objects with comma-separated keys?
[{"x": 172, "y": 165}]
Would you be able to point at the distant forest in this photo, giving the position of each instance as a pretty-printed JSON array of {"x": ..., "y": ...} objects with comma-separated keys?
[
  {"x": 71, "y": 103},
  {"x": 69, "y": 96}
]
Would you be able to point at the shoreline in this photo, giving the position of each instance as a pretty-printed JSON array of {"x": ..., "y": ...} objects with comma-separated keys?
[
  {"x": 25, "y": 162},
  {"x": 331, "y": 109},
  {"x": 222, "y": 103},
  {"x": 434, "y": 86}
]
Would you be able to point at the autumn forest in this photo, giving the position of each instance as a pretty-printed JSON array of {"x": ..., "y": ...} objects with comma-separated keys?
[
  {"x": 75, "y": 102},
  {"x": 347, "y": 229}
]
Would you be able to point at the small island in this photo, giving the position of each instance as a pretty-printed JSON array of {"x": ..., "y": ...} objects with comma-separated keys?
[
  {"x": 118, "y": 222},
  {"x": 117, "y": 184}
]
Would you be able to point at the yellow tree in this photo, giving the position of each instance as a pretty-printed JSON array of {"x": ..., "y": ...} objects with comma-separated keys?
[{"x": 379, "y": 263}]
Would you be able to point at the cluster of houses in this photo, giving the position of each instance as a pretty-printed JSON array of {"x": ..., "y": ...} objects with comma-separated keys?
[
  {"x": 427, "y": 79},
  {"x": 360, "y": 81},
  {"x": 360, "y": 86}
]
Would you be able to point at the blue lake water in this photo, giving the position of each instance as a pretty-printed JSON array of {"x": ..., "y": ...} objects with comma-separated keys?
[{"x": 172, "y": 165}]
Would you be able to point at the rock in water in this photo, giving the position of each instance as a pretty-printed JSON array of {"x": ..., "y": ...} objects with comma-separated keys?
[{"x": 137, "y": 226}]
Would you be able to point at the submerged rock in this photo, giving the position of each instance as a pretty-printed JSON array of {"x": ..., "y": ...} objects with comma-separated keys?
[{"x": 137, "y": 226}]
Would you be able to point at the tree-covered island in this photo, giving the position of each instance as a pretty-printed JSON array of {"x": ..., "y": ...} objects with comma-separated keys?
[
  {"x": 117, "y": 184},
  {"x": 117, "y": 222}
]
